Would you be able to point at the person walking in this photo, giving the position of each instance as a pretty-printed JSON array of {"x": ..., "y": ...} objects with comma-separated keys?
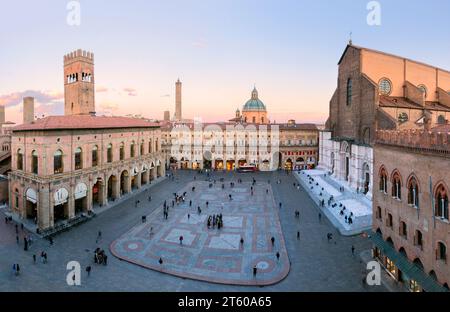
[
  {"x": 273, "y": 241},
  {"x": 353, "y": 250},
  {"x": 99, "y": 237},
  {"x": 255, "y": 269},
  {"x": 34, "y": 259},
  {"x": 181, "y": 240},
  {"x": 17, "y": 229},
  {"x": 320, "y": 217},
  {"x": 17, "y": 239},
  {"x": 17, "y": 269},
  {"x": 298, "y": 235},
  {"x": 149, "y": 198},
  {"x": 278, "y": 256},
  {"x": 88, "y": 270},
  {"x": 160, "y": 261}
]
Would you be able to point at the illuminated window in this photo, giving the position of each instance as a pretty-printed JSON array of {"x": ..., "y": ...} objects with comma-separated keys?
[
  {"x": 78, "y": 159},
  {"x": 413, "y": 192},
  {"x": 19, "y": 160},
  {"x": 109, "y": 153},
  {"x": 58, "y": 166},
  {"x": 441, "y": 199},
  {"x": 95, "y": 156}
]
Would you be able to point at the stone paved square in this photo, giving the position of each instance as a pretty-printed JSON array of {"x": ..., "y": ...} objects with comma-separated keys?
[{"x": 213, "y": 255}]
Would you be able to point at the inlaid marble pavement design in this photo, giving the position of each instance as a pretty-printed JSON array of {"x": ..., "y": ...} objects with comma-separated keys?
[{"x": 210, "y": 254}]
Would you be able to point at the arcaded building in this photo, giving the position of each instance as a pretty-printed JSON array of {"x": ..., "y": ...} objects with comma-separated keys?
[
  {"x": 410, "y": 206},
  {"x": 65, "y": 167},
  {"x": 377, "y": 90}
]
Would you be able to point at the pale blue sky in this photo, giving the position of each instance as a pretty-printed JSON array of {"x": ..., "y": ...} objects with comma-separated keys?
[{"x": 219, "y": 49}]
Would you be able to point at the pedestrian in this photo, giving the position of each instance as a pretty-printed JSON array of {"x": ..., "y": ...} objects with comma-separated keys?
[
  {"x": 17, "y": 269},
  {"x": 105, "y": 259},
  {"x": 34, "y": 259},
  {"x": 190, "y": 203},
  {"x": 14, "y": 269},
  {"x": 320, "y": 217},
  {"x": 17, "y": 239},
  {"x": 273, "y": 241},
  {"x": 278, "y": 256},
  {"x": 280, "y": 205},
  {"x": 88, "y": 270},
  {"x": 181, "y": 240},
  {"x": 51, "y": 240},
  {"x": 17, "y": 229},
  {"x": 149, "y": 198},
  {"x": 242, "y": 241},
  {"x": 298, "y": 235},
  {"x": 160, "y": 261},
  {"x": 255, "y": 269},
  {"x": 353, "y": 250},
  {"x": 21, "y": 226},
  {"x": 99, "y": 236}
]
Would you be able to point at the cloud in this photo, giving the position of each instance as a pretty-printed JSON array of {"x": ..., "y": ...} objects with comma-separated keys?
[
  {"x": 130, "y": 91},
  {"x": 101, "y": 89},
  {"x": 42, "y": 97},
  {"x": 109, "y": 106}
]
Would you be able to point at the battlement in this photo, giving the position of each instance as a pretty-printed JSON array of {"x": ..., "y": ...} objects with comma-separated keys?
[
  {"x": 432, "y": 141},
  {"x": 77, "y": 55}
]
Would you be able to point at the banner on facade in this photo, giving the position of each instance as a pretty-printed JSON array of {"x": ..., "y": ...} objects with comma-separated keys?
[
  {"x": 31, "y": 195},
  {"x": 80, "y": 191}
]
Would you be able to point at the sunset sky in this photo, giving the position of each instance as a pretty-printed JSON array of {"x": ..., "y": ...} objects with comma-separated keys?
[{"x": 289, "y": 49}]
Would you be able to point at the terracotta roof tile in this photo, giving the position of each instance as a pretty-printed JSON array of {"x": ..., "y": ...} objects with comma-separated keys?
[{"x": 84, "y": 122}]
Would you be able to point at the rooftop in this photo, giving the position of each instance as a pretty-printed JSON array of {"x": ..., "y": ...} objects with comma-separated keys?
[{"x": 84, "y": 122}]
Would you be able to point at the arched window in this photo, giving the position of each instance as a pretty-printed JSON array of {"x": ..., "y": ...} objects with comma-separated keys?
[
  {"x": 156, "y": 145},
  {"x": 142, "y": 148},
  {"x": 396, "y": 186},
  {"x": 132, "y": 149},
  {"x": 150, "y": 149},
  {"x": 413, "y": 192},
  {"x": 122, "y": 151},
  {"x": 78, "y": 159},
  {"x": 95, "y": 156},
  {"x": 349, "y": 91},
  {"x": 441, "y": 252},
  {"x": 383, "y": 180},
  {"x": 403, "y": 229},
  {"x": 418, "y": 239},
  {"x": 441, "y": 120},
  {"x": 19, "y": 159},
  {"x": 109, "y": 153},
  {"x": 262, "y": 119},
  {"x": 58, "y": 166},
  {"x": 34, "y": 162},
  {"x": 441, "y": 198},
  {"x": 254, "y": 119}
]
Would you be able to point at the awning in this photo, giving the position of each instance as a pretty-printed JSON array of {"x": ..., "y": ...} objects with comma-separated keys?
[
  {"x": 80, "y": 191},
  {"x": 31, "y": 195},
  {"x": 407, "y": 267}
]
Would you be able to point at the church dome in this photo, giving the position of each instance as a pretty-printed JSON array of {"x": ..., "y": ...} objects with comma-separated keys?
[{"x": 254, "y": 104}]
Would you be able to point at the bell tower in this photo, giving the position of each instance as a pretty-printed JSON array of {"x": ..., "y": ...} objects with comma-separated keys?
[{"x": 79, "y": 83}]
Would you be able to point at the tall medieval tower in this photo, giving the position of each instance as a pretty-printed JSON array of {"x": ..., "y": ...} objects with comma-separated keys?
[
  {"x": 79, "y": 83},
  {"x": 178, "y": 115}
]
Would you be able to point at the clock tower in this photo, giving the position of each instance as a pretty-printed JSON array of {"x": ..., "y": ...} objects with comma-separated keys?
[{"x": 79, "y": 83}]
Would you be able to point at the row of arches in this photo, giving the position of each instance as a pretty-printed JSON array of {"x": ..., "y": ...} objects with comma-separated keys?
[
  {"x": 84, "y": 197},
  {"x": 440, "y": 251},
  {"x": 412, "y": 184},
  {"x": 86, "y": 77}
]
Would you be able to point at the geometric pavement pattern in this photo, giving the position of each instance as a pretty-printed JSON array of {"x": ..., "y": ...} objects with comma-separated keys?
[{"x": 212, "y": 255}]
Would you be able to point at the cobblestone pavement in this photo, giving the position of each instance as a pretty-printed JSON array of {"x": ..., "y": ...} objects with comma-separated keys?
[
  {"x": 207, "y": 253},
  {"x": 316, "y": 264}
]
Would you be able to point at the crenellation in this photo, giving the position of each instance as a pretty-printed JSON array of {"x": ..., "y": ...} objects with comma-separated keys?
[{"x": 430, "y": 140}]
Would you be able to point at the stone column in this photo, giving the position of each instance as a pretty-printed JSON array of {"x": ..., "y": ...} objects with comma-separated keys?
[
  {"x": 44, "y": 209},
  {"x": 139, "y": 180},
  {"x": 89, "y": 201},
  {"x": 71, "y": 204},
  {"x": 102, "y": 195}
]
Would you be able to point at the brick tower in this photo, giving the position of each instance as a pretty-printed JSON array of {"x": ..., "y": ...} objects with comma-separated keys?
[
  {"x": 178, "y": 86},
  {"x": 79, "y": 83}
]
